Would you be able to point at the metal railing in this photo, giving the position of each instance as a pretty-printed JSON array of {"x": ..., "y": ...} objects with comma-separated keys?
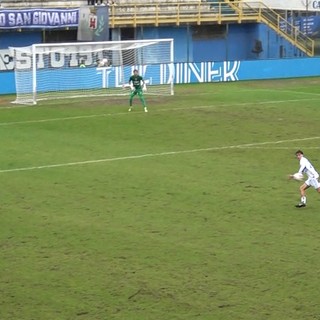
[
  {"x": 173, "y": 14},
  {"x": 206, "y": 12}
]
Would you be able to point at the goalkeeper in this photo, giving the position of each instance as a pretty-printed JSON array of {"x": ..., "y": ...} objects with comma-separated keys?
[{"x": 137, "y": 85}]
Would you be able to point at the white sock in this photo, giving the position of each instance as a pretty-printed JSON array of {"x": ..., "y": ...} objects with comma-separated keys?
[{"x": 304, "y": 199}]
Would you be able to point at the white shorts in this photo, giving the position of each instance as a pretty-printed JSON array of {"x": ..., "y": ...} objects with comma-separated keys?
[{"x": 313, "y": 182}]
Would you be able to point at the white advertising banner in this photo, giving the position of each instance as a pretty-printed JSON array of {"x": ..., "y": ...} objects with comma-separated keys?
[{"x": 299, "y": 5}]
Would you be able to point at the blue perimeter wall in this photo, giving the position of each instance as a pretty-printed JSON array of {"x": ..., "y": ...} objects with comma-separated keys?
[{"x": 205, "y": 71}]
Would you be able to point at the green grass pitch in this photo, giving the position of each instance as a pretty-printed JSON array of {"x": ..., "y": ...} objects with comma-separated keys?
[{"x": 184, "y": 212}]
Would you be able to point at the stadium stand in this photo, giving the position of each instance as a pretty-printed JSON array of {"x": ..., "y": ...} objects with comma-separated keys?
[
  {"x": 72, "y": 4},
  {"x": 77, "y": 3},
  {"x": 18, "y": 4},
  {"x": 135, "y": 13}
]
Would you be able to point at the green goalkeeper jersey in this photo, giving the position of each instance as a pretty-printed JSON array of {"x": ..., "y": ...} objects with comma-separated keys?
[{"x": 137, "y": 81}]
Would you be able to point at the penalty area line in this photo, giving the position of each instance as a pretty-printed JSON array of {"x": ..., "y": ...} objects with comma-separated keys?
[
  {"x": 156, "y": 110},
  {"x": 149, "y": 155},
  {"x": 281, "y": 148}
]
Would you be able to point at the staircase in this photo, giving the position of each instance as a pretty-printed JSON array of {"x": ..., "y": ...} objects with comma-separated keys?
[{"x": 274, "y": 21}]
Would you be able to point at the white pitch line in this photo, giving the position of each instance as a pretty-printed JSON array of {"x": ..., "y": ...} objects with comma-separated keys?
[
  {"x": 2, "y": 124},
  {"x": 281, "y": 148},
  {"x": 149, "y": 155},
  {"x": 289, "y": 91},
  {"x": 61, "y": 119}
]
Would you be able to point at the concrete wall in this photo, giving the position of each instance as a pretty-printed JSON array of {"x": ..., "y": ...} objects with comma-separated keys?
[{"x": 299, "y": 5}]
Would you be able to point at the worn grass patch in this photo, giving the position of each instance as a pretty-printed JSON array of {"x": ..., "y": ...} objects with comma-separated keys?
[{"x": 181, "y": 213}]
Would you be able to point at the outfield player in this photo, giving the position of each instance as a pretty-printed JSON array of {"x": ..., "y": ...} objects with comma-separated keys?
[
  {"x": 306, "y": 168},
  {"x": 137, "y": 86}
]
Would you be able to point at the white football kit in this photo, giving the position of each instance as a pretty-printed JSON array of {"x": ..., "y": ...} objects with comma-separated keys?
[{"x": 307, "y": 168}]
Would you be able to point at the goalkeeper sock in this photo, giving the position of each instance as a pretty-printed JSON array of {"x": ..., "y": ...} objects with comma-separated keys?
[{"x": 143, "y": 102}]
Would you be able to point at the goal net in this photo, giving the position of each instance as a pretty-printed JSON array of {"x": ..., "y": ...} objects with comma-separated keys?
[{"x": 91, "y": 69}]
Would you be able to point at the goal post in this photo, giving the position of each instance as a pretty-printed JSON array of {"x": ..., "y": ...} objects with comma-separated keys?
[{"x": 91, "y": 69}]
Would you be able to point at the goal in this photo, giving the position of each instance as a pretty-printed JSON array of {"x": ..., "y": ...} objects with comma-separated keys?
[{"x": 91, "y": 69}]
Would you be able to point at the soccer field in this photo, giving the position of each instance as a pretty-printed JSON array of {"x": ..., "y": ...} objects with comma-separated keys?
[{"x": 184, "y": 212}]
